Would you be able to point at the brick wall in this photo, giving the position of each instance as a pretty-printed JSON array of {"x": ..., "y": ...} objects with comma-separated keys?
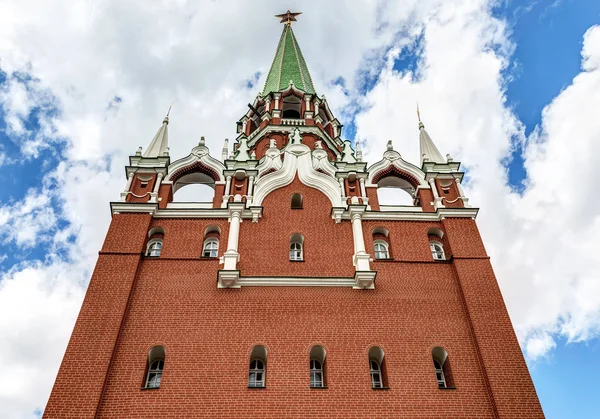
[{"x": 208, "y": 333}]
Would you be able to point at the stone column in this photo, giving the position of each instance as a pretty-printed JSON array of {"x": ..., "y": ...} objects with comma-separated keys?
[
  {"x": 127, "y": 187},
  {"x": 461, "y": 192},
  {"x": 363, "y": 191},
  {"x": 154, "y": 194},
  {"x": 342, "y": 187},
  {"x": 229, "y": 275},
  {"x": 364, "y": 276},
  {"x": 437, "y": 201},
  {"x": 250, "y": 188}
]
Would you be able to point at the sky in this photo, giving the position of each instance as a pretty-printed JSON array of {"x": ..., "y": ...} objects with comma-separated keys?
[{"x": 509, "y": 88}]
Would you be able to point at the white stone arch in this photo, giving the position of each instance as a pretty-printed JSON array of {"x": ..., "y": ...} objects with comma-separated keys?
[
  {"x": 297, "y": 159},
  {"x": 200, "y": 165}
]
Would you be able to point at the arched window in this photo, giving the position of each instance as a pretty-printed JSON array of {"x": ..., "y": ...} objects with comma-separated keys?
[
  {"x": 154, "y": 248},
  {"x": 211, "y": 248},
  {"x": 317, "y": 366},
  {"x": 292, "y": 106},
  {"x": 381, "y": 250},
  {"x": 156, "y": 364},
  {"x": 376, "y": 366},
  {"x": 441, "y": 367},
  {"x": 258, "y": 367},
  {"x": 296, "y": 247},
  {"x": 297, "y": 201},
  {"x": 376, "y": 380},
  {"x": 437, "y": 250},
  {"x": 439, "y": 374}
]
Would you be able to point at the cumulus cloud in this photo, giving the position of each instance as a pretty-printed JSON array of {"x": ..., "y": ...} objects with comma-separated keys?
[
  {"x": 105, "y": 80},
  {"x": 541, "y": 241}
]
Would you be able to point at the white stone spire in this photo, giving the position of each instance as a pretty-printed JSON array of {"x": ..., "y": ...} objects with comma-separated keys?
[
  {"x": 429, "y": 152},
  {"x": 159, "y": 146}
]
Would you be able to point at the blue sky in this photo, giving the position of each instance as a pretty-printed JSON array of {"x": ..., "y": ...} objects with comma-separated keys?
[{"x": 75, "y": 103}]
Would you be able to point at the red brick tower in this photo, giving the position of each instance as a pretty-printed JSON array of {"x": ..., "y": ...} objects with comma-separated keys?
[{"x": 293, "y": 293}]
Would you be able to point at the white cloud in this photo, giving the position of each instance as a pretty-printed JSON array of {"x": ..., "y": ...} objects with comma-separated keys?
[
  {"x": 200, "y": 58},
  {"x": 542, "y": 242}
]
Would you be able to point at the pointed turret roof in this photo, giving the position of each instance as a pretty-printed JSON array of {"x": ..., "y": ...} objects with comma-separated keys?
[
  {"x": 160, "y": 143},
  {"x": 288, "y": 65},
  {"x": 428, "y": 148}
]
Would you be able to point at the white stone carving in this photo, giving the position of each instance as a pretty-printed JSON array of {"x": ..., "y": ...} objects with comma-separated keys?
[{"x": 297, "y": 159}]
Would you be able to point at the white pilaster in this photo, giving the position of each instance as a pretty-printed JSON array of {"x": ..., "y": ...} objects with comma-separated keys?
[
  {"x": 461, "y": 192},
  {"x": 250, "y": 188},
  {"x": 229, "y": 275},
  {"x": 154, "y": 194},
  {"x": 127, "y": 187},
  {"x": 437, "y": 200},
  {"x": 364, "y": 276}
]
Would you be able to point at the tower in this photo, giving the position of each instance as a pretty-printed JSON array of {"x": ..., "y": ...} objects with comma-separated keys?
[{"x": 294, "y": 292}]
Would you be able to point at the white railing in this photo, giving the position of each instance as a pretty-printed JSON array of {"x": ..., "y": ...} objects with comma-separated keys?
[{"x": 293, "y": 122}]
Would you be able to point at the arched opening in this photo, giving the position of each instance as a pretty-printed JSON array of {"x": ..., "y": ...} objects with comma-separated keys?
[
  {"x": 210, "y": 247},
  {"x": 194, "y": 187},
  {"x": 292, "y": 107},
  {"x": 377, "y": 368},
  {"x": 258, "y": 367},
  {"x": 297, "y": 201},
  {"x": 381, "y": 243},
  {"x": 317, "y": 366},
  {"x": 154, "y": 244},
  {"x": 441, "y": 365},
  {"x": 296, "y": 247},
  {"x": 395, "y": 191},
  {"x": 155, "y": 367}
]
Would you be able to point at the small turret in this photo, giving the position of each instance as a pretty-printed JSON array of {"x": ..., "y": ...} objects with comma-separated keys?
[{"x": 159, "y": 146}]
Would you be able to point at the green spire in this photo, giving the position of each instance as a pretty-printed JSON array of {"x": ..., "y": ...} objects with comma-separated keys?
[{"x": 288, "y": 65}]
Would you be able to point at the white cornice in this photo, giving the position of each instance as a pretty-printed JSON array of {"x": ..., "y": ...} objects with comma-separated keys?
[
  {"x": 152, "y": 208},
  {"x": 410, "y": 216}
]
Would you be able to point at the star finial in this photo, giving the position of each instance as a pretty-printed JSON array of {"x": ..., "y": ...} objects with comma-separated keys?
[
  {"x": 288, "y": 17},
  {"x": 418, "y": 113}
]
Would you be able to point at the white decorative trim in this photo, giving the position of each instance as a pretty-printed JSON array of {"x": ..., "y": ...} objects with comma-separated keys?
[
  {"x": 200, "y": 154},
  {"x": 364, "y": 280},
  {"x": 320, "y": 160},
  {"x": 253, "y": 213},
  {"x": 297, "y": 159},
  {"x": 290, "y": 281},
  {"x": 280, "y": 128},
  {"x": 393, "y": 158},
  {"x": 228, "y": 279}
]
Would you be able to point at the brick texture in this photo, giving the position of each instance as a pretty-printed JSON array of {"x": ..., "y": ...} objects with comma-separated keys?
[{"x": 134, "y": 304}]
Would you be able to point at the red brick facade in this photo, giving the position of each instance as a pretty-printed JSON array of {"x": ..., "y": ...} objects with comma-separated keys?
[{"x": 208, "y": 320}]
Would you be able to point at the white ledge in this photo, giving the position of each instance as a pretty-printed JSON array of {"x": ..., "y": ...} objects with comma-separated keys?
[
  {"x": 292, "y": 281},
  {"x": 253, "y": 213}
]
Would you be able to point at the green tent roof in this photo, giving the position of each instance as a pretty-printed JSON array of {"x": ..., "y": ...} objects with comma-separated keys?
[{"x": 288, "y": 64}]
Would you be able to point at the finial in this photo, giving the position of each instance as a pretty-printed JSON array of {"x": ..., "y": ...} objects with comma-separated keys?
[
  {"x": 166, "y": 120},
  {"x": 138, "y": 151},
  {"x": 419, "y": 117},
  {"x": 202, "y": 141},
  {"x": 389, "y": 145},
  {"x": 288, "y": 17}
]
